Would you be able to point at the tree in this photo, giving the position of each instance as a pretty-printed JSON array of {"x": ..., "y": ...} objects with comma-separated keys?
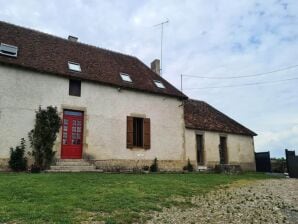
[
  {"x": 43, "y": 136},
  {"x": 17, "y": 160}
]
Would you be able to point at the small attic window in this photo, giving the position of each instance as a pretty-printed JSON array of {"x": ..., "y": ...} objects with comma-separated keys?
[
  {"x": 159, "y": 84},
  {"x": 125, "y": 77},
  {"x": 74, "y": 66},
  {"x": 9, "y": 50}
]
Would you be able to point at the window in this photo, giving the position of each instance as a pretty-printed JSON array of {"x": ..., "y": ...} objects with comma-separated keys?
[
  {"x": 200, "y": 149},
  {"x": 159, "y": 84},
  {"x": 138, "y": 132},
  {"x": 8, "y": 50},
  {"x": 223, "y": 150},
  {"x": 125, "y": 77},
  {"x": 74, "y": 87},
  {"x": 74, "y": 66}
]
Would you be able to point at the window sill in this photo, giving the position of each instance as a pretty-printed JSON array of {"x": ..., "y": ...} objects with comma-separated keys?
[{"x": 137, "y": 149}]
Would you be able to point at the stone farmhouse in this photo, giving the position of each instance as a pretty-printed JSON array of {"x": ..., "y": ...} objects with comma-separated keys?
[{"x": 116, "y": 111}]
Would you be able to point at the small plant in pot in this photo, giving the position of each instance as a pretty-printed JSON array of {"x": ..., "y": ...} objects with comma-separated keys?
[
  {"x": 34, "y": 169},
  {"x": 154, "y": 166},
  {"x": 145, "y": 169},
  {"x": 188, "y": 167}
]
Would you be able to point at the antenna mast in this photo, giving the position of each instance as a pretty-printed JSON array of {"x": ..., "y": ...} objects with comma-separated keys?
[{"x": 161, "y": 42}]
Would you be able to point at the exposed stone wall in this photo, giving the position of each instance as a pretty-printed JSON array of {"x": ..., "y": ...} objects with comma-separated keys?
[
  {"x": 163, "y": 165},
  {"x": 3, "y": 164}
]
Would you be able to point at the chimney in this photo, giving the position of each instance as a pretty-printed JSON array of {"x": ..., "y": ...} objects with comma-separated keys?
[
  {"x": 155, "y": 66},
  {"x": 72, "y": 38}
]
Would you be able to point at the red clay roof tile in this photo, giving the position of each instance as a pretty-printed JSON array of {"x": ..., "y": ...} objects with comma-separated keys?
[
  {"x": 50, "y": 54},
  {"x": 200, "y": 115}
]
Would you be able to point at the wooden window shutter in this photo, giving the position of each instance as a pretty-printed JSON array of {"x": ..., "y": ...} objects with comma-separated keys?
[
  {"x": 147, "y": 134},
  {"x": 129, "y": 134}
]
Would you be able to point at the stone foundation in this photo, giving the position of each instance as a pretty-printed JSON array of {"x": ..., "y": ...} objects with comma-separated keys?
[
  {"x": 248, "y": 166},
  {"x": 244, "y": 166},
  {"x": 114, "y": 165},
  {"x": 120, "y": 165},
  {"x": 227, "y": 168},
  {"x": 4, "y": 163}
]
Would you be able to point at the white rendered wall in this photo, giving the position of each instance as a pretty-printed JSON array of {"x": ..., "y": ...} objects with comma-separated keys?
[
  {"x": 240, "y": 148},
  {"x": 106, "y": 108}
]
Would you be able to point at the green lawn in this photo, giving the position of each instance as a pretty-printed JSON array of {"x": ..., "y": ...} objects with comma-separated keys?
[{"x": 115, "y": 198}]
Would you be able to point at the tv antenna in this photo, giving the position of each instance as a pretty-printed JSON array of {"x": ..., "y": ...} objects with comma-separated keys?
[{"x": 161, "y": 42}]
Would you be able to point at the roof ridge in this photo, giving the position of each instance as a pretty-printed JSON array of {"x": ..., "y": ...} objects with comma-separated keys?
[
  {"x": 196, "y": 100},
  {"x": 66, "y": 40}
]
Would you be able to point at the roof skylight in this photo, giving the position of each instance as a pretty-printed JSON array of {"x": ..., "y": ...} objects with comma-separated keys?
[
  {"x": 125, "y": 77},
  {"x": 159, "y": 84},
  {"x": 8, "y": 50},
  {"x": 74, "y": 66}
]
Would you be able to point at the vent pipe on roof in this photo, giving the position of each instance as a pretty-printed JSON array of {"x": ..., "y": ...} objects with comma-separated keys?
[
  {"x": 155, "y": 66},
  {"x": 72, "y": 38}
]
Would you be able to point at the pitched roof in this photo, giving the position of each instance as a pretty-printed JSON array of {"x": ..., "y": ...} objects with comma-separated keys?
[
  {"x": 200, "y": 115},
  {"x": 50, "y": 54}
]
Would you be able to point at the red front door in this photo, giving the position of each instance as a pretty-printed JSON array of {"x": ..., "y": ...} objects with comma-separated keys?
[{"x": 72, "y": 134}]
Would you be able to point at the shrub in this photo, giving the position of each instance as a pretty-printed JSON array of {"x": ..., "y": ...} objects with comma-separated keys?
[
  {"x": 279, "y": 165},
  {"x": 146, "y": 168},
  {"x": 18, "y": 161},
  {"x": 154, "y": 166},
  {"x": 43, "y": 136},
  {"x": 188, "y": 167},
  {"x": 34, "y": 169}
]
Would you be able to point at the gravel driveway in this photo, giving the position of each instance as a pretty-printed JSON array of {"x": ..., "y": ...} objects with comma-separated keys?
[{"x": 266, "y": 201}]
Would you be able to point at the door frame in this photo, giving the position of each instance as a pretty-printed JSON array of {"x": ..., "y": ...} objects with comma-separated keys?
[
  {"x": 225, "y": 152},
  {"x": 82, "y": 129},
  {"x": 203, "y": 148}
]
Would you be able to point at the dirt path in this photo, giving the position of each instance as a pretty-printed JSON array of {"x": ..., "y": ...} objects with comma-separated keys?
[{"x": 266, "y": 201}]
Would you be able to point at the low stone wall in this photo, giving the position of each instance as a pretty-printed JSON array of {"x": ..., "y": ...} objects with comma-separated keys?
[
  {"x": 248, "y": 166},
  {"x": 118, "y": 165},
  {"x": 3, "y": 164},
  {"x": 244, "y": 166}
]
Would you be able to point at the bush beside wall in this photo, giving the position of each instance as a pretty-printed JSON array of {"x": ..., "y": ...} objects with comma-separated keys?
[{"x": 17, "y": 160}]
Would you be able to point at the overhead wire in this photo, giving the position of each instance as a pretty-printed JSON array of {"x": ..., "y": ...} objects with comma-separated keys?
[
  {"x": 244, "y": 84},
  {"x": 241, "y": 76}
]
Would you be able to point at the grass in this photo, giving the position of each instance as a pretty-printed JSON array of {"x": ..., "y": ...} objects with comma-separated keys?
[{"x": 114, "y": 198}]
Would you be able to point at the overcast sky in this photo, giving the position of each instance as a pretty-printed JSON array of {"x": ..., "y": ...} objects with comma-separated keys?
[{"x": 203, "y": 38}]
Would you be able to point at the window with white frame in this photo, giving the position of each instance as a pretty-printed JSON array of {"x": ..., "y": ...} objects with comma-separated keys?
[
  {"x": 125, "y": 77},
  {"x": 8, "y": 50},
  {"x": 159, "y": 84},
  {"x": 74, "y": 66}
]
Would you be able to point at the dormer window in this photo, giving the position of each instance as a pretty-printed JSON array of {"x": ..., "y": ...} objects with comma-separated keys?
[
  {"x": 76, "y": 67},
  {"x": 125, "y": 77},
  {"x": 8, "y": 50},
  {"x": 159, "y": 84}
]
